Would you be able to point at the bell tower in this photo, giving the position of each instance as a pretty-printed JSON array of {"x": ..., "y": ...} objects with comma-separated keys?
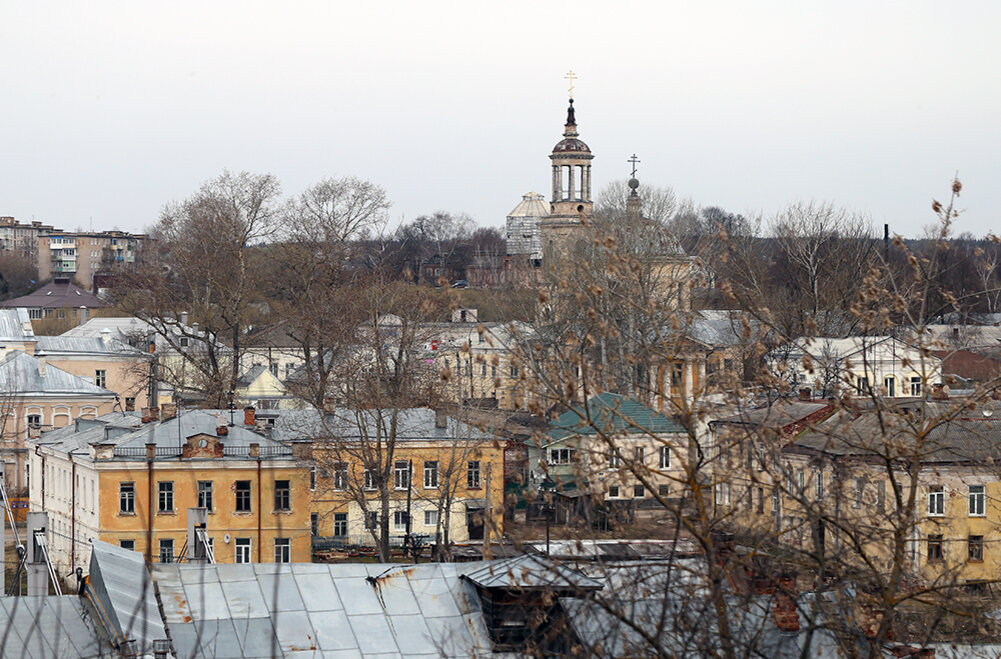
[{"x": 571, "y": 197}]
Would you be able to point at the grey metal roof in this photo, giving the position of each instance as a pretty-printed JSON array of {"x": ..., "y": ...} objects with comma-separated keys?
[
  {"x": 122, "y": 585},
  {"x": 414, "y": 424},
  {"x": 86, "y": 345},
  {"x": 54, "y": 627},
  {"x": 130, "y": 436},
  {"x": 530, "y": 571},
  {"x": 15, "y": 325},
  {"x": 19, "y": 373}
]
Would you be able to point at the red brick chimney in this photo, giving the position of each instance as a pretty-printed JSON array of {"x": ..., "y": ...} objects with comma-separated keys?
[
  {"x": 784, "y": 612},
  {"x": 222, "y": 430},
  {"x": 249, "y": 416},
  {"x": 805, "y": 394}
]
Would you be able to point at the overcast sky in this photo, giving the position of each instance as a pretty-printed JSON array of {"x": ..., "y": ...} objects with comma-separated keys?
[{"x": 112, "y": 109}]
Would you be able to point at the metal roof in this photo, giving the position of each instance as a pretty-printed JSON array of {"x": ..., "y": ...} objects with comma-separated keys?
[
  {"x": 125, "y": 599},
  {"x": 413, "y": 424},
  {"x": 611, "y": 413},
  {"x": 19, "y": 374},
  {"x": 90, "y": 345},
  {"x": 15, "y": 325},
  {"x": 55, "y": 627},
  {"x": 57, "y": 294},
  {"x": 529, "y": 571}
]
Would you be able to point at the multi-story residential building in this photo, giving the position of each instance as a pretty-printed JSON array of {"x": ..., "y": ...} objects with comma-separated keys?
[
  {"x": 81, "y": 255},
  {"x": 844, "y": 482},
  {"x": 613, "y": 447},
  {"x": 21, "y": 238},
  {"x": 130, "y": 479},
  {"x": 446, "y": 474},
  {"x": 884, "y": 365}
]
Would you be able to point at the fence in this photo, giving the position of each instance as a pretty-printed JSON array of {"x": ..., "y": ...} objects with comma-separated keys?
[{"x": 227, "y": 451}]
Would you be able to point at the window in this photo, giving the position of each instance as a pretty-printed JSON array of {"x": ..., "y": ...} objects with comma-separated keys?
[
  {"x": 400, "y": 521},
  {"x": 127, "y": 498},
  {"x": 665, "y": 457},
  {"x": 613, "y": 492},
  {"x": 273, "y": 367},
  {"x": 473, "y": 474},
  {"x": 166, "y": 498},
  {"x": 401, "y": 475},
  {"x": 483, "y": 369},
  {"x": 819, "y": 476},
  {"x": 639, "y": 491},
  {"x": 976, "y": 545},
  {"x": 890, "y": 385},
  {"x": 340, "y": 475},
  {"x": 166, "y": 550},
  {"x": 677, "y": 375},
  {"x": 340, "y": 524},
  {"x": 371, "y": 521},
  {"x": 312, "y": 478},
  {"x": 183, "y": 341},
  {"x": 314, "y": 524},
  {"x": 369, "y": 478},
  {"x": 430, "y": 474},
  {"x": 859, "y": 491},
  {"x": 283, "y": 496},
  {"x": 242, "y": 550},
  {"x": 430, "y": 518},
  {"x": 881, "y": 496},
  {"x": 640, "y": 455},
  {"x": 916, "y": 385},
  {"x": 127, "y": 544},
  {"x": 101, "y": 378},
  {"x": 283, "y": 550},
  {"x": 560, "y": 456},
  {"x": 936, "y": 500},
  {"x": 243, "y": 497},
  {"x": 613, "y": 459},
  {"x": 934, "y": 548},
  {"x": 976, "y": 501},
  {"x": 34, "y": 420},
  {"x": 130, "y": 404},
  {"x": 775, "y": 500},
  {"x": 664, "y": 490},
  {"x": 35, "y": 314},
  {"x": 861, "y": 385},
  {"x": 761, "y": 500},
  {"x": 205, "y": 494}
]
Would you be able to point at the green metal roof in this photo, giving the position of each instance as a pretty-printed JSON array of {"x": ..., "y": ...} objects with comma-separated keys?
[{"x": 611, "y": 413}]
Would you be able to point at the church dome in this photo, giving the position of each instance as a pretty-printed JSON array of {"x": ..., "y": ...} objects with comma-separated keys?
[
  {"x": 571, "y": 145},
  {"x": 532, "y": 204}
]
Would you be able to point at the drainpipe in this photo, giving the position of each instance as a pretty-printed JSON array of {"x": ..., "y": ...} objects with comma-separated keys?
[
  {"x": 149, "y": 509},
  {"x": 260, "y": 549},
  {"x": 72, "y": 513},
  {"x": 42, "y": 456}
]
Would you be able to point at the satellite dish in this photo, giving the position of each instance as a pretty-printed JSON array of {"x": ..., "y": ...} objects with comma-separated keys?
[
  {"x": 988, "y": 413},
  {"x": 225, "y": 538}
]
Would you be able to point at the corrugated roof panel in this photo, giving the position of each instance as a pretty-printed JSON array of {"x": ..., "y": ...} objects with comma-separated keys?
[
  {"x": 257, "y": 637},
  {"x": 280, "y": 592},
  {"x": 434, "y": 597},
  {"x": 205, "y": 601},
  {"x": 397, "y": 598},
  {"x": 412, "y": 634},
  {"x": 245, "y": 599},
  {"x": 294, "y": 631}
]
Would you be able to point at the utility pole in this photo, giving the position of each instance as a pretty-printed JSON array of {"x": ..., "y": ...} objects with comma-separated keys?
[{"x": 410, "y": 489}]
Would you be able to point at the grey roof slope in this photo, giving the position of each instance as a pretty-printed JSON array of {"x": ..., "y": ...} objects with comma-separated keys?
[
  {"x": 19, "y": 375},
  {"x": 528, "y": 571},
  {"x": 52, "y": 627},
  {"x": 134, "y": 434},
  {"x": 122, "y": 584},
  {"x": 413, "y": 424},
  {"x": 15, "y": 325},
  {"x": 89, "y": 345}
]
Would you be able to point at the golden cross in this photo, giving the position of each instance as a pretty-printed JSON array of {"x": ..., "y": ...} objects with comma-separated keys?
[{"x": 571, "y": 77}]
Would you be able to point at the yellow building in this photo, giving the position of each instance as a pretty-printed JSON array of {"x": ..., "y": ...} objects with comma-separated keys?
[
  {"x": 448, "y": 474},
  {"x": 840, "y": 482},
  {"x": 131, "y": 480}
]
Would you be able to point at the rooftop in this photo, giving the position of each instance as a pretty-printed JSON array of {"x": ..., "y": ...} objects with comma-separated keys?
[{"x": 57, "y": 294}]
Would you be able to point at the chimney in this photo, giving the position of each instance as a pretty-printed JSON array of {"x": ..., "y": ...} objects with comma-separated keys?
[
  {"x": 222, "y": 430},
  {"x": 169, "y": 411},
  {"x": 440, "y": 419},
  {"x": 83, "y": 315},
  {"x": 255, "y": 450},
  {"x": 805, "y": 395},
  {"x": 146, "y": 415},
  {"x": 41, "y": 363},
  {"x": 151, "y": 451},
  {"x": 329, "y": 405},
  {"x": 784, "y": 610},
  {"x": 106, "y": 336},
  {"x": 184, "y": 318},
  {"x": 939, "y": 392},
  {"x": 249, "y": 416}
]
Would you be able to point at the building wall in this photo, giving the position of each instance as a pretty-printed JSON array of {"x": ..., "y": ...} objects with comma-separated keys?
[
  {"x": 452, "y": 458},
  {"x": 127, "y": 377}
]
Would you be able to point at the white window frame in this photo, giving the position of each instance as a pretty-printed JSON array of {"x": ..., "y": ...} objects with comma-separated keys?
[
  {"x": 665, "y": 457},
  {"x": 430, "y": 518},
  {"x": 243, "y": 550},
  {"x": 283, "y": 550},
  {"x": 401, "y": 475},
  {"x": 430, "y": 474},
  {"x": 978, "y": 498},
  {"x": 936, "y": 501},
  {"x": 400, "y": 521}
]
